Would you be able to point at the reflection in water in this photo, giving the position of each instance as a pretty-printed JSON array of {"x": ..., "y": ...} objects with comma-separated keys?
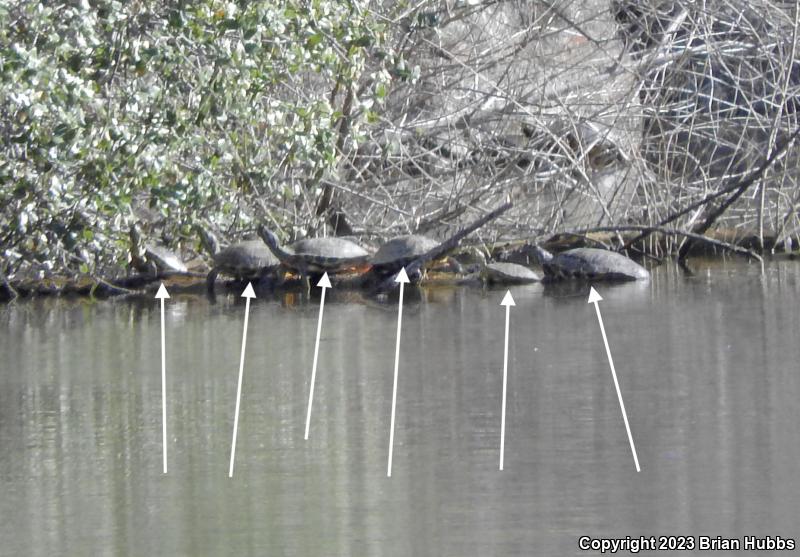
[{"x": 707, "y": 366}]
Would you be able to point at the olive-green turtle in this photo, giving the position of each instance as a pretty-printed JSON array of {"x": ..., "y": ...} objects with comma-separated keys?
[
  {"x": 316, "y": 255},
  {"x": 416, "y": 267},
  {"x": 147, "y": 258},
  {"x": 245, "y": 260},
  {"x": 589, "y": 264},
  {"x": 399, "y": 252}
]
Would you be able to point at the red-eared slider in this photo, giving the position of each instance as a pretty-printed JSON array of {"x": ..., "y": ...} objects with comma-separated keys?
[
  {"x": 508, "y": 273},
  {"x": 589, "y": 264},
  {"x": 248, "y": 259},
  {"x": 415, "y": 268},
  {"x": 316, "y": 255},
  {"x": 155, "y": 260},
  {"x": 399, "y": 252}
]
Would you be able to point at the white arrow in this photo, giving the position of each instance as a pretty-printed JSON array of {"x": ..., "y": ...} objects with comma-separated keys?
[
  {"x": 162, "y": 294},
  {"x": 594, "y": 297},
  {"x": 323, "y": 283},
  {"x": 508, "y": 301},
  {"x": 247, "y": 294},
  {"x": 402, "y": 278}
]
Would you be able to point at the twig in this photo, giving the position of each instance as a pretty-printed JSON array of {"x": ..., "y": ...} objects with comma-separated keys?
[
  {"x": 672, "y": 232},
  {"x": 738, "y": 187}
]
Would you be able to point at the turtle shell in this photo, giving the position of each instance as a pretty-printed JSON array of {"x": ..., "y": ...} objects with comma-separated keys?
[
  {"x": 325, "y": 254},
  {"x": 400, "y": 251},
  {"x": 316, "y": 255},
  {"x": 244, "y": 258},
  {"x": 508, "y": 273},
  {"x": 594, "y": 264},
  {"x": 164, "y": 259},
  {"x": 327, "y": 249}
]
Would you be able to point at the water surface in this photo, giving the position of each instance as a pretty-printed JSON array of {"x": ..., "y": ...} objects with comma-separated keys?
[{"x": 708, "y": 367}]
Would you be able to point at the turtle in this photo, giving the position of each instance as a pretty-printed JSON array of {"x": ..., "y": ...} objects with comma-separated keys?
[
  {"x": 399, "y": 252},
  {"x": 508, "y": 273},
  {"x": 402, "y": 251},
  {"x": 590, "y": 264},
  {"x": 155, "y": 260},
  {"x": 415, "y": 268},
  {"x": 243, "y": 260},
  {"x": 316, "y": 255}
]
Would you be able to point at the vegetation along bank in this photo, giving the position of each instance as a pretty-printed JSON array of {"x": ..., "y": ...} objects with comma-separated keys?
[{"x": 133, "y": 131}]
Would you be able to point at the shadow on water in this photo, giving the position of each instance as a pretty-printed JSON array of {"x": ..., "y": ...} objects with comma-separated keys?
[{"x": 568, "y": 290}]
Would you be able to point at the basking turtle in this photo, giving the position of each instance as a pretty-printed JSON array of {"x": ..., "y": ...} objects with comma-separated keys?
[
  {"x": 414, "y": 268},
  {"x": 508, "y": 273},
  {"x": 155, "y": 260},
  {"x": 248, "y": 259},
  {"x": 590, "y": 264},
  {"x": 399, "y": 252},
  {"x": 316, "y": 255}
]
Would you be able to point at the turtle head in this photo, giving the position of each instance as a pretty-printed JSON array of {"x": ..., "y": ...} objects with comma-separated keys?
[
  {"x": 471, "y": 259},
  {"x": 541, "y": 254},
  {"x": 135, "y": 236},
  {"x": 208, "y": 239},
  {"x": 416, "y": 275},
  {"x": 134, "y": 233},
  {"x": 268, "y": 237}
]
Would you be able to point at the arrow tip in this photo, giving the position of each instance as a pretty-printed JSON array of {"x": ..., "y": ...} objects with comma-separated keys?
[
  {"x": 248, "y": 291},
  {"x": 402, "y": 276},
  {"x": 324, "y": 282},
  {"x": 162, "y": 292},
  {"x": 593, "y": 295},
  {"x": 508, "y": 299}
]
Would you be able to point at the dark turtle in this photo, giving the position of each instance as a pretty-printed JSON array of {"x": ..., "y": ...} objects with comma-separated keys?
[
  {"x": 248, "y": 259},
  {"x": 399, "y": 252},
  {"x": 155, "y": 260},
  {"x": 316, "y": 255},
  {"x": 589, "y": 264},
  {"x": 508, "y": 273},
  {"x": 416, "y": 267}
]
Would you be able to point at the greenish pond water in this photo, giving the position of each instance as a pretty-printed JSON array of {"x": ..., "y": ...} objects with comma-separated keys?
[{"x": 709, "y": 367}]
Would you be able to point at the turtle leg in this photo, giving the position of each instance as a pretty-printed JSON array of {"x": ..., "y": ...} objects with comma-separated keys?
[
  {"x": 280, "y": 276},
  {"x": 211, "y": 279},
  {"x": 455, "y": 266},
  {"x": 265, "y": 276}
]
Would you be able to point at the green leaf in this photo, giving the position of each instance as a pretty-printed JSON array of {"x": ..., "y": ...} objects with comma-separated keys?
[
  {"x": 176, "y": 19},
  {"x": 314, "y": 40},
  {"x": 363, "y": 41},
  {"x": 230, "y": 24}
]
